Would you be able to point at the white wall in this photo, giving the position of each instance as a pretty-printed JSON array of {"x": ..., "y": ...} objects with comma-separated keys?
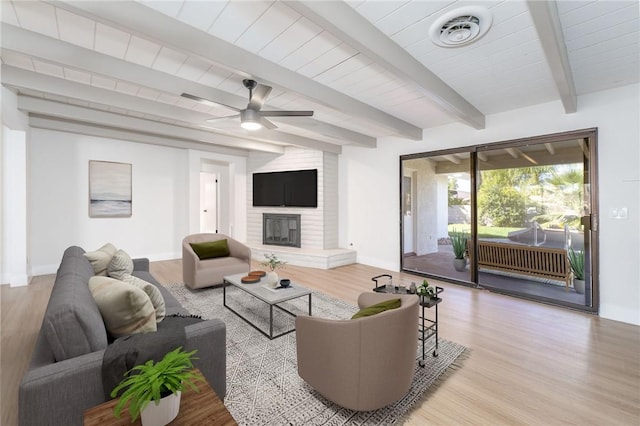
[
  {"x": 165, "y": 197},
  {"x": 14, "y": 208},
  {"x": 232, "y": 186},
  {"x": 369, "y": 185},
  {"x": 59, "y": 198}
]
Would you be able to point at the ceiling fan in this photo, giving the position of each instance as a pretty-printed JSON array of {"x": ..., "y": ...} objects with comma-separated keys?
[{"x": 252, "y": 117}]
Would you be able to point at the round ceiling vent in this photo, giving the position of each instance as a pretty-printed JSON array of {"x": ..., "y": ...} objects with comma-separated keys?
[{"x": 460, "y": 26}]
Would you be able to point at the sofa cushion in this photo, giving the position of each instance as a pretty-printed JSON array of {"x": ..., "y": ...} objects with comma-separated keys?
[
  {"x": 120, "y": 266},
  {"x": 152, "y": 291},
  {"x": 100, "y": 258},
  {"x": 125, "y": 308},
  {"x": 72, "y": 324},
  {"x": 211, "y": 249},
  {"x": 377, "y": 308}
]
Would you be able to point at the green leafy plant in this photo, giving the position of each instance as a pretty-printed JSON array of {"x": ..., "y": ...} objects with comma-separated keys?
[
  {"x": 152, "y": 381},
  {"x": 576, "y": 260},
  {"x": 273, "y": 262},
  {"x": 426, "y": 290},
  {"x": 459, "y": 243}
]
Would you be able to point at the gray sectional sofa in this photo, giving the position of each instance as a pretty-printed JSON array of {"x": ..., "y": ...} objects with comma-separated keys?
[{"x": 65, "y": 374}]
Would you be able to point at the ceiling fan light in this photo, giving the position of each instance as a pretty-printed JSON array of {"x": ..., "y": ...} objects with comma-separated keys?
[
  {"x": 250, "y": 119},
  {"x": 250, "y": 125}
]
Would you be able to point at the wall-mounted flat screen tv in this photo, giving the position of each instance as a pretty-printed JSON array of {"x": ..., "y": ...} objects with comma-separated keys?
[{"x": 297, "y": 188}]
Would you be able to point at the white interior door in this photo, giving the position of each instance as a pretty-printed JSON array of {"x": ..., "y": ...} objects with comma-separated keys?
[{"x": 208, "y": 202}]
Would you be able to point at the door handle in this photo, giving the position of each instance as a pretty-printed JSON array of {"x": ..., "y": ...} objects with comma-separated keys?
[{"x": 204, "y": 211}]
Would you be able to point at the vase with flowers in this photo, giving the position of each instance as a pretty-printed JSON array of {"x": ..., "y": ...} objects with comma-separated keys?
[{"x": 273, "y": 263}]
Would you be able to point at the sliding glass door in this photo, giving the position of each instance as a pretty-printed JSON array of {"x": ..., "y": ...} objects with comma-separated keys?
[
  {"x": 510, "y": 217},
  {"x": 436, "y": 215}
]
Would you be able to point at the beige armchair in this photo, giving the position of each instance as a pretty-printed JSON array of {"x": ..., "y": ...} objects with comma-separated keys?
[
  {"x": 362, "y": 364},
  {"x": 198, "y": 273}
]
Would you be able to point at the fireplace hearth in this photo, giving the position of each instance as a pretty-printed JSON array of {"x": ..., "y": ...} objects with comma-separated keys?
[{"x": 281, "y": 229}]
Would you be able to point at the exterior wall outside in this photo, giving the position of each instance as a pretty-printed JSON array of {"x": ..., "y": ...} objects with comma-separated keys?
[{"x": 368, "y": 176}]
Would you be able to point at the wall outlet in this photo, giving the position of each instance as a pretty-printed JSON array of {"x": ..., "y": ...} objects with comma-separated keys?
[{"x": 618, "y": 213}]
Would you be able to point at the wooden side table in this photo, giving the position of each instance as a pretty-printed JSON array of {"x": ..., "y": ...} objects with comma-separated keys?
[{"x": 196, "y": 408}]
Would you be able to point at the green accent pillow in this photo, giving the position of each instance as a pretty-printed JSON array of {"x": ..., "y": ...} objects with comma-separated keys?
[
  {"x": 211, "y": 249},
  {"x": 377, "y": 308}
]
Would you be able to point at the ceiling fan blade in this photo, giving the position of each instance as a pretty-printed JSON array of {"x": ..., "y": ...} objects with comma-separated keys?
[
  {"x": 258, "y": 96},
  {"x": 267, "y": 124},
  {"x": 206, "y": 101},
  {"x": 286, "y": 113},
  {"x": 211, "y": 120}
]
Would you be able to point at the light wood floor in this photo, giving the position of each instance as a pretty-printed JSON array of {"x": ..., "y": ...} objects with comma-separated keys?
[{"x": 529, "y": 363}]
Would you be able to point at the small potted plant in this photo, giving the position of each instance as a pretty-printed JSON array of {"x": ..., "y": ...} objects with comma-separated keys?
[
  {"x": 459, "y": 245},
  {"x": 576, "y": 260},
  {"x": 161, "y": 382},
  {"x": 273, "y": 263},
  {"x": 425, "y": 290}
]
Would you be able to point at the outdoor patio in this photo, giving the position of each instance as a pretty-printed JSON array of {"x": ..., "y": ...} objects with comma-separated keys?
[{"x": 441, "y": 264}]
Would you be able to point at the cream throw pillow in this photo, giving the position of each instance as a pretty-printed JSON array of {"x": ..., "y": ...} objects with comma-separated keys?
[
  {"x": 100, "y": 258},
  {"x": 120, "y": 265},
  {"x": 152, "y": 291},
  {"x": 125, "y": 309}
]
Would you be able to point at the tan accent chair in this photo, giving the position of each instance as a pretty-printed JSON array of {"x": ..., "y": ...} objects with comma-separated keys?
[
  {"x": 362, "y": 364},
  {"x": 198, "y": 273}
]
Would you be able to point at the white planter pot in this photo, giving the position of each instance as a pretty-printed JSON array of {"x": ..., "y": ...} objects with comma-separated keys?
[
  {"x": 163, "y": 413},
  {"x": 578, "y": 286},
  {"x": 271, "y": 279}
]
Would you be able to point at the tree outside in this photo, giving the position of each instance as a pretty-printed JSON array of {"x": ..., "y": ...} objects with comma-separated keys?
[{"x": 550, "y": 195}]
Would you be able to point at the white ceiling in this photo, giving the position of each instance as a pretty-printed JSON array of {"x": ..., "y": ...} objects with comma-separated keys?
[{"x": 367, "y": 68}]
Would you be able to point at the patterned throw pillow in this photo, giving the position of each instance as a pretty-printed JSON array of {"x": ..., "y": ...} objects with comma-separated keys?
[
  {"x": 152, "y": 291},
  {"x": 120, "y": 266},
  {"x": 100, "y": 258},
  {"x": 125, "y": 309}
]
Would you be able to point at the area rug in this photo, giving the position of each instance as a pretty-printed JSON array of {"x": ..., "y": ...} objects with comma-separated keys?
[{"x": 263, "y": 386}]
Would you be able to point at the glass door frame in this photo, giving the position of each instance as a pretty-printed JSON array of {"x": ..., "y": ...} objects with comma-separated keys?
[{"x": 590, "y": 220}]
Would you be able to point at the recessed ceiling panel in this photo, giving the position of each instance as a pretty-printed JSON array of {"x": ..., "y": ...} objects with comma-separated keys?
[
  {"x": 289, "y": 40},
  {"x": 237, "y": 17},
  {"x": 37, "y": 16},
  {"x": 111, "y": 41},
  {"x": 277, "y": 19},
  {"x": 201, "y": 14},
  {"x": 76, "y": 29},
  {"x": 142, "y": 51}
]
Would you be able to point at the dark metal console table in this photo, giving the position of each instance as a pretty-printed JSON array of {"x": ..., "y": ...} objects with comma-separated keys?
[{"x": 428, "y": 327}]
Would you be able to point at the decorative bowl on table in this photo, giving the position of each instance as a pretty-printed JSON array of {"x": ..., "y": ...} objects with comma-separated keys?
[{"x": 285, "y": 282}]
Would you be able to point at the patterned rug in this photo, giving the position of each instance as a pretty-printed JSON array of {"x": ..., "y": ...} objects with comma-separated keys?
[{"x": 263, "y": 386}]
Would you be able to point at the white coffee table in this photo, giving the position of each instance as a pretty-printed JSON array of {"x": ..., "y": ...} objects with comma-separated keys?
[{"x": 269, "y": 296}]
